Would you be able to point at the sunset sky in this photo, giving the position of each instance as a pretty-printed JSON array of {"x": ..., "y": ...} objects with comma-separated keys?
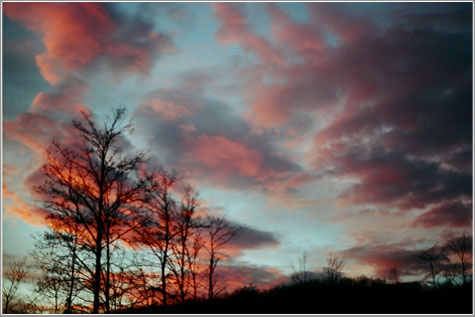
[{"x": 327, "y": 128}]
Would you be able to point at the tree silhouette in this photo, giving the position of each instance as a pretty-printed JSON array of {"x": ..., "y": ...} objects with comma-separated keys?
[
  {"x": 333, "y": 270},
  {"x": 462, "y": 247},
  {"x": 218, "y": 232},
  {"x": 155, "y": 232},
  {"x": 193, "y": 261},
  {"x": 94, "y": 186},
  {"x": 301, "y": 273},
  {"x": 184, "y": 229},
  {"x": 432, "y": 259},
  {"x": 55, "y": 257},
  {"x": 13, "y": 277}
]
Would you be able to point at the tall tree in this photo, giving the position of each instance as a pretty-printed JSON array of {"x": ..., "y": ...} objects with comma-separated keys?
[
  {"x": 218, "y": 232},
  {"x": 156, "y": 232},
  {"x": 432, "y": 258},
  {"x": 462, "y": 247},
  {"x": 184, "y": 229},
  {"x": 193, "y": 261},
  {"x": 93, "y": 184}
]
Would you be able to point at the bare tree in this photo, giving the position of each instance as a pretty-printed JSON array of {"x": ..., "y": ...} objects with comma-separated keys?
[
  {"x": 184, "y": 228},
  {"x": 333, "y": 270},
  {"x": 432, "y": 259},
  {"x": 55, "y": 256},
  {"x": 155, "y": 232},
  {"x": 462, "y": 247},
  {"x": 218, "y": 232},
  {"x": 93, "y": 184},
  {"x": 193, "y": 261},
  {"x": 13, "y": 277},
  {"x": 301, "y": 273}
]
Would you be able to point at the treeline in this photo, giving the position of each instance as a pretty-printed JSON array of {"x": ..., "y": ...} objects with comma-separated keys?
[
  {"x": 360, "y": 295},
  {"x": 445, "y": 287},
  {"x": 120, "y": 232},
  {"x": 447, "y": 264}
]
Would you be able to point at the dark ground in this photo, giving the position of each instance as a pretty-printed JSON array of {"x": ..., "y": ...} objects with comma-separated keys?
[{"x": 347, "y": 297}]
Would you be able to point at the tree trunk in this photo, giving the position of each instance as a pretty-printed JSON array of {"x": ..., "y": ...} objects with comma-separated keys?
[
  {"x": 107, "y": 286},
  {"x": 210, "y": 279},
  {"x": 69, "y": 299},
  {"x": 164, "y": 284},
  {"x": 463, "y": 272},
  {"x": 194, "y": 287},
  {"x": 7, "y": 302},
  {"x": 97, "y": 273},
  {"x": 433, "y": 276}
]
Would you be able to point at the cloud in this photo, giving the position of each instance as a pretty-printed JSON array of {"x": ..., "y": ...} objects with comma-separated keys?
[
  {"x": 235, "y": 29},
  {"x": 15, "y": 206},
  {"x": 392, "y": 178},
  {"x": 451, "y": 214},
  {"x": 49, "y": 117},
  {"x": 77, "y": 34},
  {"x": 237, "y": 276},
  {"x": 66, "y": 98},
  {"x": 227, "y": 156},
  {"x": 384, "y": 257},
  {"x": 203, "y": 138},
  {"x": 250, "y": 238}
]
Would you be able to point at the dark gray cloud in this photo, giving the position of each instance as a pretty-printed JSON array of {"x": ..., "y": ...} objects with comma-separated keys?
[
  {"x": 250, "y": 238},
  {"x": 450, "y": 214}
]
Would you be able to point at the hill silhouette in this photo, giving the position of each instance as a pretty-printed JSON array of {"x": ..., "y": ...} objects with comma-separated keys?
[{"x": 358, "y": 296}]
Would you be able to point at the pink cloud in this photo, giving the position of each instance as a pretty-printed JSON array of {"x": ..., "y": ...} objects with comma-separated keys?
[
  {"x": 72, "y": 33},
  {"x": 384, "y": 257},
  {"x": 15, "y": 206},
  {"x": 452, "y": 214},
  {"x": 66, "y": 98},
  {"x": 306, "y": 39},
  {"x": 77, "y": 34},
  {"x": 227, "y": 156},
  {"x": 169, "y": 110},
  {"x": 32, "y": 130},
  {"x": 235, "y": 277},
  {"x": 235, "y": 29}
]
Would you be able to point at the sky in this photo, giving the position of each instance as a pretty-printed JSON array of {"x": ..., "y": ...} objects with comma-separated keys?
[{"x": 335, "y": 129}]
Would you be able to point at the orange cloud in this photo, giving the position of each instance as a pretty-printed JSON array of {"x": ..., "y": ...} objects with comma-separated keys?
[{"x": 15, "y": 206}]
